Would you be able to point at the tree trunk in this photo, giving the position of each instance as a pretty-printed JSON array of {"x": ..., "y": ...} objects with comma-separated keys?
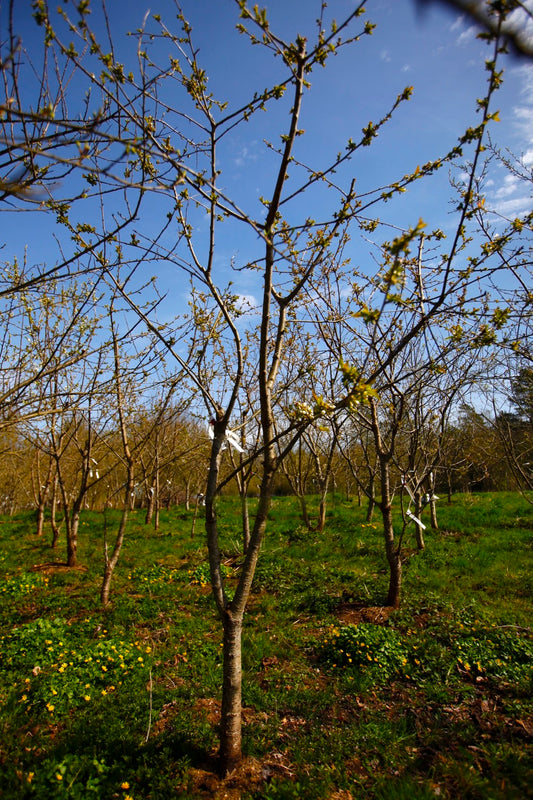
[
  {"x": 156, "y": 499},
  {"x": 111, "y": 562},
  {"x": 195, "y": 516},
  {"x": 150, "y": 506},
  {"x": 53, "y": 512},
  {"x": 433, "y": 514},
  {"x": 72, "y": 537},
  {"x": 42, "y": 498},
  {"x": 321, "y": 524},
  {"x": 371, "y": 500},
  {"x": 395, "y": 579},
  {"x": 245, "y": 522},
  {"x": 371, "y": 507},
  {"x": 392, "y": 550},
  {"x": 305, "y": 514},
  {"x": 449, "y": 486},
  {"x": 231, "y": 717},
  {"x": 419, "y": 531},
  {"x": 40, "y": 518}
]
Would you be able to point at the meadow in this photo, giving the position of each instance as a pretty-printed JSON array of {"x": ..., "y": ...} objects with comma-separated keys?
[{"x": 343, "y": 698}]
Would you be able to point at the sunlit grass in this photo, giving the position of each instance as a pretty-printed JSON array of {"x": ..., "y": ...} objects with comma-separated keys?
[{"x": 124, "y": 702}]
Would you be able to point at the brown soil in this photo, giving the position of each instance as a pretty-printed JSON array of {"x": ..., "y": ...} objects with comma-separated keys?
[
  {"x": 204, "y": 780},
  {"x": 53, "y": 567},
  {"x": 352, "y": 614}
]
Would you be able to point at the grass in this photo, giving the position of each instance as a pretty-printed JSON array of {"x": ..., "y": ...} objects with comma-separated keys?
[{"x": 342, "y": 698}]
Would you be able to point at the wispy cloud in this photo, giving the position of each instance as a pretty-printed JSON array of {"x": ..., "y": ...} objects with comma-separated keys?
[
  {"x": 510, "y": 197},
  {"x": 523, "y": 110},
  {"x": 458, "y": 23},
  {"x": 247, "y": 303},
  {"x": 246, "y": 154},
  {"x": 508, "y": 187},
  {"x": 466, "y": 36},
  {"x": 464, "y": 33},
  {"x": 527, "y": 158},
  {"x": 521, "y": 23},
  {"x": 515, "y": 206}
]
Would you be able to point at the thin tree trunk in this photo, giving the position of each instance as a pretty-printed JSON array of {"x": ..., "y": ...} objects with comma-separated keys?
[
  {"x": 305, "y": 514},
  {"x": 73, "y": 524},
  {"x": 156, "y": 498},
  {"x": 150, "y": 505},
  {"x": 111, "y": 562},
  {"x": 449, "y": 486},
  {"x": 433, "y": 514},
  {"x": 195, "y": 516},
  {"x": 53, "y": 512},
  {"x": 371, "y": 494},
  {"x": 395, "y": 580},
  {"x": 321, "y": 523},
  {"x": 39, "y": 514},
  {"x": 42, "y": 495},
  {"x": 419, "y": 531},
  {"x": 231, "y": 714},
  {"x": 245, "y": 521},
  {"x": 392, "y": 549}
]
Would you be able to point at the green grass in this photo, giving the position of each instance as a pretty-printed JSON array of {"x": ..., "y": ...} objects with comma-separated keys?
[{"x": 434, "y": 701}]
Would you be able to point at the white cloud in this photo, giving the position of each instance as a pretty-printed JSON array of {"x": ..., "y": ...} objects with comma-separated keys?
[
  {"x": 246, "y": 154},
  {"x": 516, "y": 206},
  {"x": 521, "y": 23},
  {"x": 509, "y": 197},
  {"x": 458, "y": 23},
  {"x": 525, "y": 73},
  {"x": 524, "y": 120},
  {"x": 466, "y": 36},
  {"x": 510, "y": 185},
  {"x": 247, "y": 304},
  {"x": 523, "y": 110}
]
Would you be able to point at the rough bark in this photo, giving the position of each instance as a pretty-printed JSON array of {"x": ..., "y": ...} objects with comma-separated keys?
[
  {"x": 231, "y": 717},
  {"x": 72, "y": 522},
  {"x": 110, "y": 562}
]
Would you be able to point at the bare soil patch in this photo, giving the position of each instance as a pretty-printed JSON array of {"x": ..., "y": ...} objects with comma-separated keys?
[
  {"x": 54, "y": 567},
  {"x": 353, "y": 613}
]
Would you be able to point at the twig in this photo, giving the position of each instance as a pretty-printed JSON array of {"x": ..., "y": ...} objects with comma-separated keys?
[{"x": 150, "y": 715}]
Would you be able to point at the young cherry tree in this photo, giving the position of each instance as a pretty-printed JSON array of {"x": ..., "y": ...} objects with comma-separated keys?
[
  {"x": 294, "y": 260},
  {"x": 164, "y": 141},
  {"x": 287, "y": 250}
]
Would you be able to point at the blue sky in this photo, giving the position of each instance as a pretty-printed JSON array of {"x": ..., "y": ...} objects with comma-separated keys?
[{"x": 436, "y": 52}]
